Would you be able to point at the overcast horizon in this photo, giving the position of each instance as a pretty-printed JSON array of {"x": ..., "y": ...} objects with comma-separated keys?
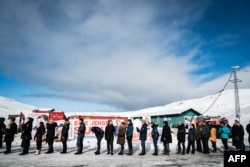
[{"x": 120, "y": 55}]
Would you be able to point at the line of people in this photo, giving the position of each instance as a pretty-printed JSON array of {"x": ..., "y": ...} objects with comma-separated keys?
[{"x": 202, "y": 133}]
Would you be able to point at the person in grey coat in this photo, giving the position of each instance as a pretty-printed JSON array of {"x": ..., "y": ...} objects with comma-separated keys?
[{"x": 80, "y": 137}]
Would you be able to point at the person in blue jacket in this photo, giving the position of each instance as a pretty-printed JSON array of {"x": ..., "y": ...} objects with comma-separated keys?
[
  {"x": 224, "y": 133},
  {"x": 191, "y": 139},
  {"x": 143, "y": 136},
  {"x": 155, "y": 136}
]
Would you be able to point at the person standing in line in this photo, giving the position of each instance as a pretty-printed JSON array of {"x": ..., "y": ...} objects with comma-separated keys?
[
  {"x": 248, "y": 131},
  {"x": 80, "y": 137},
  {"x": 143, "y": 136},
  {"x": 213, "y": 138},
  {"x": 109, "y": 136},
  {"x": 64, "y": 135},
  {"x": 166, "y": 137},
  {"x": 121, "y": 136},
  {"x": 40, "y": 131},
  {"x": 238, "y": 136},
  {"x": 224, "y": 132},
  {"x": 155, "y": 136},
  {"x": 205, "y": 134},
  {"x": 11, "y": 130},
  {"x": 191, "y": 139},
  {"x": 26, "y": 136},
  {"x": 50, "y": 135},
  {"x": 181, "y": 137},
  {"x": 99, "y": 135},
  {"x": 2, "y": 131},
  {"x": 198, "y": 136},
  {"x": 129, "y": 135}
]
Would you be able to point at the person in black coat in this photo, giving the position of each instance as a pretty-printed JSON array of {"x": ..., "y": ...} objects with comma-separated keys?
[
  {"x": 80, "y": 136},
  {"x": 99, "y": 135},
  {"x": 64, "y": 135},
  {"x": 109, "y": 136},
  {"x": 205, "y": 134},
  {"x": 248, "y": 131},
  {"x": 143, "y": 136},
  {"x": 181, "y": 137},
  {"x": 11, "y": 130},
  {"x": 40, "y": 131},
  {"x": 129, "y": 136},
  {"x": 238, "y": 136},
  {"x": 166, "y": 137},
  {"x": 50, "y": 135},
  {"x": 2, "y": 131},
  {"x": 26, "y": 136},
  {"x": 191, "y": 139}
]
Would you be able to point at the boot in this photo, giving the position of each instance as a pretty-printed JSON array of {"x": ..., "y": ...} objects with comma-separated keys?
[
  {"x": 78, "y": 151},
  {"x": 49, "y": 150},
  {"x": 129, "y": 152}
]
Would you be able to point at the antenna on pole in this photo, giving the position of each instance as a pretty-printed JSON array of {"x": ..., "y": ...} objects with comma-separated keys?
[{"x": 236, "y": 92}]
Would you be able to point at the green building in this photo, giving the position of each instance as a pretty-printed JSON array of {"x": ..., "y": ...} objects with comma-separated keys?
[{"x": 173, "y": 116}]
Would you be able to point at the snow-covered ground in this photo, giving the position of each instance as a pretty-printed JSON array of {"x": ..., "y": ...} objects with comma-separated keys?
[{"x": 88, "y": 158}]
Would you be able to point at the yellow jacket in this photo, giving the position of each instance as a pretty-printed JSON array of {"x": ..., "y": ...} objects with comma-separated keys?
[{"x": 213, "y": 134}]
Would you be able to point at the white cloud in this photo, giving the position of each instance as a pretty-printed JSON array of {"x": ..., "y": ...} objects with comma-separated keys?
[{"x": 124, "y": 54}]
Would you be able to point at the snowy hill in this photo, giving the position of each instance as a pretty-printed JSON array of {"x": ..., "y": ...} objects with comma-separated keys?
[
  {"x": 10, "y": 106},
  {"x": 224, "y": 106}
]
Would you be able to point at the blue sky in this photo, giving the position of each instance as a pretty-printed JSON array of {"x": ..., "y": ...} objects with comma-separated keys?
[{"x": 120, "y": 55}]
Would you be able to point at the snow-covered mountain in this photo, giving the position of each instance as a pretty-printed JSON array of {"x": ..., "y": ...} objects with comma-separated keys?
[
  {"x": 9, "y": 106},
  {"x": 224, "y": 106}
]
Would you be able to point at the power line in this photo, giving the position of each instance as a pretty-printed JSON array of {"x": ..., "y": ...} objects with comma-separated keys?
[{"x": 220, "y": 92}]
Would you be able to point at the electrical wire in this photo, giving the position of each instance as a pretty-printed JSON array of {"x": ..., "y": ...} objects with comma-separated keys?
[{"x": 220, "y": 92}]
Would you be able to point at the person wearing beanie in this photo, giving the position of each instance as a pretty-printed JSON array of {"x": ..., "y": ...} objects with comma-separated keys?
[
  {"x": 40, "y": 131},
  {"x": 64, "y": 135},
  {"x": 11, "y": 130},
  {"x": 166, "y": 137},
  {"x": 129, "y": 134},
  {"x": 80, "y": 137},
  {"x": 26, "y": 136}
]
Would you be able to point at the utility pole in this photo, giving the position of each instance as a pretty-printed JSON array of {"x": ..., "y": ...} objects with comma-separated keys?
[{"x": 236, "y": 92}]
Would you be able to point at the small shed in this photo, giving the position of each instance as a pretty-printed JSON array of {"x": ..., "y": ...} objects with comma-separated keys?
[{"x": 174, "y": 116}]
